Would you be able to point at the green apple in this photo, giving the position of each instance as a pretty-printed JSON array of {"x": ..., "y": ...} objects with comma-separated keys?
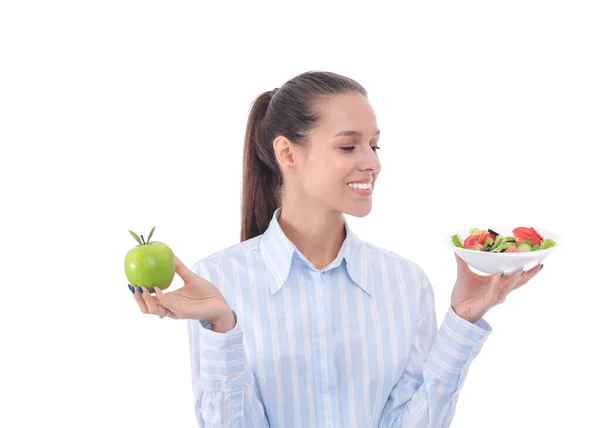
[{"x": 150, "y": 264}]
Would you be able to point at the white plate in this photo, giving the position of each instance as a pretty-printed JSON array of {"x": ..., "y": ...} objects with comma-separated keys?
[{"x": 508, "y": 263}]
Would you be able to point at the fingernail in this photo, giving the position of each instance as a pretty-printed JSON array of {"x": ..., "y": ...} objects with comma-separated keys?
[
  {"x": 140, "y": 289},
  {"x": 131, "y": 288},
  {"x": 523, "y": 273}
]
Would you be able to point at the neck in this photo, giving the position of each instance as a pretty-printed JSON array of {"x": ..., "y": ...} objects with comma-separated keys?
[{"x": 318, "y": 235}]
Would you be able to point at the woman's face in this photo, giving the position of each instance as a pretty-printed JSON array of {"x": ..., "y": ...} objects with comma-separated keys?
[{"x": 342, "y": 150}]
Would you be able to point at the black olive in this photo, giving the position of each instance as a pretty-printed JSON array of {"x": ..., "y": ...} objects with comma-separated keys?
[
  {"x": 503, "y": 250},
  {"x": 493, "y": 233}
]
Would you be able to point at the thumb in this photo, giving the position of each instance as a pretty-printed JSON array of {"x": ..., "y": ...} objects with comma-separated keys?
[
  {"x": 461, "y": 264},
  {"x": 182, "y": 270}
]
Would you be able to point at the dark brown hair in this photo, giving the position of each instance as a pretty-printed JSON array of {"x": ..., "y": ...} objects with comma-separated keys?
[{"x": 290, "y": 111}]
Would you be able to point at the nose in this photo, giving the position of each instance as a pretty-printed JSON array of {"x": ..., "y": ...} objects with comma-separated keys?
[{"x": 371, "y": 161}]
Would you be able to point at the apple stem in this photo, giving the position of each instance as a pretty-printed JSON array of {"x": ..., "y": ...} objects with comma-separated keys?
[{"x": 143, "y": 240}]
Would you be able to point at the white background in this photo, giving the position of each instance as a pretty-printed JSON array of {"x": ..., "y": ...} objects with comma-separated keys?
[{"x": 123, "y": 115}]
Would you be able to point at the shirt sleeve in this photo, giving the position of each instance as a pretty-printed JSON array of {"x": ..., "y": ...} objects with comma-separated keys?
[
  {"x": 427, "y": 393},
  {"x": 222, "y": 380}
]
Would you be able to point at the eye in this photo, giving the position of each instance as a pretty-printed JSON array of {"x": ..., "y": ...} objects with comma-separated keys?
[{"x": 350, "y": 148}]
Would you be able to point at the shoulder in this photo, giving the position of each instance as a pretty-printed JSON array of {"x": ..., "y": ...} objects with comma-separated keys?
[
  {"x": 374, "y": 251},
  {"x": 399, "y": 266},
  {"x": 210, "y": 266}
]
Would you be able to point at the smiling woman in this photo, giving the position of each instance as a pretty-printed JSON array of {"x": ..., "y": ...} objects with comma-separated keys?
[{"x": 303, "y": 323}]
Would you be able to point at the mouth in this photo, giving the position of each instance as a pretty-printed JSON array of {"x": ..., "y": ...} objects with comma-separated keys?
[
  {"x": 363, "y": 189},
  {"x": 363, "y": 186}
]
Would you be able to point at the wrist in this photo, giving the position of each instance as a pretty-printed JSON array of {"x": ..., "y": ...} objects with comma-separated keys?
[
  {"x": 466, "y": 315},
  {"x": 224, "y": 324}
]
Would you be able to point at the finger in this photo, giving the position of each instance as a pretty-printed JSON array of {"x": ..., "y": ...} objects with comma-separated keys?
[
  {"x": 165, "y": 303},
  {"x": 496, "y": 286},
  {"x": 461, "y": 265},
  {"x": 182, "y": 270},
  {"x": 139, "y": 300},
  {"x": 513, "y": 282},
  {"x": 164, "y": 312},
  {"x": 161, "y": 309},
  {"x": 151, "y": 302},
  {"x": 528, "y": 275}
]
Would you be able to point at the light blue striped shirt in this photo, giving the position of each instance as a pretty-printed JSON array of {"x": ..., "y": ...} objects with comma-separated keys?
[{"x": 355, "y": 344}]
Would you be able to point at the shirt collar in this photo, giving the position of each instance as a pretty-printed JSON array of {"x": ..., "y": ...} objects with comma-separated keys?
[{"x": 278, "y": 252}]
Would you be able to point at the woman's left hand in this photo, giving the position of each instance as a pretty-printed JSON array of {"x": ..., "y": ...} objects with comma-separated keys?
[{"x": 473, "y": 294}]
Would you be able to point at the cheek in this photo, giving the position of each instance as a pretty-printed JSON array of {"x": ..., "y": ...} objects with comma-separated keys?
[
  {"x": 332, "y": 178},
  {"x": 328, "y": 175}
]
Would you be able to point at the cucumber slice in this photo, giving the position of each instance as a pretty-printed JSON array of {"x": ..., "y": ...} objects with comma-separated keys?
[
  {"x": 510, "y": 239},
  {"x": 499, "y": 241},
  {"x": 457, "y": 241},
  {"x": 525, "y": 246},
  {"x": 488, "y": 245}
]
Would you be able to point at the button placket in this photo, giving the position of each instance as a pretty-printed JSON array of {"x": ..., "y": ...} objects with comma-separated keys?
[{"x": 319, "y": 280}]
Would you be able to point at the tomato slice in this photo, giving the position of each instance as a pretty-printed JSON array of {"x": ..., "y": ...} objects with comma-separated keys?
[
  {"x": 483, "y": 236},
  {"x": 471, "y": 239},
  {"x": 472, "y": 242},
  {"x": 523, "y": 234},
  {"x": 537, "y": 238},
  {"x": 512, "y": 250}
]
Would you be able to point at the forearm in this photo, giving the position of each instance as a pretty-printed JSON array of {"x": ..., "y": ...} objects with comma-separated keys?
[
  {"x": 222, "y": 379},
  {"x": 428, "y": 395}
]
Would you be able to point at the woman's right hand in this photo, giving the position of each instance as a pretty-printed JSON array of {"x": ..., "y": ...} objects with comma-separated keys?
[{"x": 198, "y": 299}]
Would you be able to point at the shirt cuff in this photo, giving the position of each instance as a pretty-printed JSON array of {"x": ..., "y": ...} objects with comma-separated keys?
[
  {"x": 457, "y": 344},
  {"x": 223, "y": 362}
]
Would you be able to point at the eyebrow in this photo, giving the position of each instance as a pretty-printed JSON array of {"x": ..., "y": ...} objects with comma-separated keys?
[{"x": 350, "y": 133}]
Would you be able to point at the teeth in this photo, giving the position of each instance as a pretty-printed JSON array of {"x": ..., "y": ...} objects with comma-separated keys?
[{"x": 360, "y": 185}]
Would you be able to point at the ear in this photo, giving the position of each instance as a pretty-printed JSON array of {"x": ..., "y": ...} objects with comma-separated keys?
[{"x": 287, "y": 154}]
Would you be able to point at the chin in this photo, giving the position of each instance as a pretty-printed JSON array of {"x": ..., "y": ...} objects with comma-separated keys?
[{"x": 359, "y": 211}]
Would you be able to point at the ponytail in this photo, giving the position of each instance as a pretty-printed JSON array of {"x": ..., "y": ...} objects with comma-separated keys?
[{"x": 261, "y": 179}]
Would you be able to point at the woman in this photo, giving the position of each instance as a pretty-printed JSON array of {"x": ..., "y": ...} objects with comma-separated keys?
[{"x": 303, "y": 324}]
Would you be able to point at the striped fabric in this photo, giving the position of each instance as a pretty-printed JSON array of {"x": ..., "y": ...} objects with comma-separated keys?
[{"x": 355, "y": 344}]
